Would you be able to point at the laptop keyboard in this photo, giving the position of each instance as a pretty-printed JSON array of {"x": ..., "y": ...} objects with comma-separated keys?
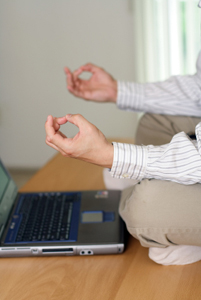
[{"x": 45, "y": 217}]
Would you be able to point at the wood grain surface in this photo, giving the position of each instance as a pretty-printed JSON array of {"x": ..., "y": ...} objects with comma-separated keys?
[{"x": 131, "y": 275}]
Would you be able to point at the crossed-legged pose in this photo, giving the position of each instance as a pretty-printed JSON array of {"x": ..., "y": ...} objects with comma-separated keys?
[{"x": 163, "y": 210}]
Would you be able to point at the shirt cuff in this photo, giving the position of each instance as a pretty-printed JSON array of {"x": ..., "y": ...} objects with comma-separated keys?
[
  {"x": 129, "y": 161},
  {"x": 130, "y": 96}
]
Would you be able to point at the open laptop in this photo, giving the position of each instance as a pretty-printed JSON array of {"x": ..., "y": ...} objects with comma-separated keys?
[{"x": 65, "y": 223}]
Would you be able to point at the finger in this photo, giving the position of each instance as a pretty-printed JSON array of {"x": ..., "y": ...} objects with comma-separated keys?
[
  {"x": 69, "y": 81},
  {"x": 73, "y": 85},
  {"x": 85, "y": 68},
  {"x": 69, "y": 77},
  {"x": 90, "y": 68},
  {"x": 56, "y": 135},
  {"x": 49, "y": 126},
  {"x": 77, "y": 82},
  {"x": 58, "y": 140},
  {"x": 77, "y": 72},
  {"x": 59, "y": 121},
  {"x": 55, "y": 124},
  {"x": 55, "y": 147},
  {"x": 63, "y": 135},
  {"x": 77, "y": 89},
  {"x": 78, "y": 120},
  {"x": 67, "y": 70},
  {"x": 52, "y": 135}
]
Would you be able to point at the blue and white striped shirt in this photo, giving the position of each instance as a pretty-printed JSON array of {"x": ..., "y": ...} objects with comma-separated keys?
[{"x": 178, "y": 161}]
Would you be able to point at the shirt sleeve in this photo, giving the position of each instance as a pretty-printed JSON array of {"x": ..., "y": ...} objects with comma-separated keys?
[
  {"x": 178, "y": 161},
  {"x": 179, "y": 95}
]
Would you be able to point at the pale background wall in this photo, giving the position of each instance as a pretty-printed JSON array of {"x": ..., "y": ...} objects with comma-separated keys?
[{"x": 37, "y": 39}]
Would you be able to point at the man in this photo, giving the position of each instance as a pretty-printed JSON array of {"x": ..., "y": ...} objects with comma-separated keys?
[{"x": 163, "y": 210}]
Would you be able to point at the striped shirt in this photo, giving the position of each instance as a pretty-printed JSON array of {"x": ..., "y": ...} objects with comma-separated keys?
[{"x": 178, "y": 161}]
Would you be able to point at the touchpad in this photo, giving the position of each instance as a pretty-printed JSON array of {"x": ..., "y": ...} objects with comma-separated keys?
[
  {"x": 92, "y": 217},
  {"x": 97, "y": 216}
]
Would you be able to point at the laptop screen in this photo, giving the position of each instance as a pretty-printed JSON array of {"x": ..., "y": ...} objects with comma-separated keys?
[
  {"x": 8, "y": 193},
  {"x": 4, "y": 179}
]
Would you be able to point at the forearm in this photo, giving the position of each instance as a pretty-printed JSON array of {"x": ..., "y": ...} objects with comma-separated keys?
[
  {"x": 176, "y": 96},
  {"x": 179, "y": 95},
  {"x": 178, "y": 161}
]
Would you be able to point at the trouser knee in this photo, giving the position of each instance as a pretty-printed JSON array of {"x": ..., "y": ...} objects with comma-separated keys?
[
  {"x": 162, "y": 213},
  {"x": 159, "y": 129}
]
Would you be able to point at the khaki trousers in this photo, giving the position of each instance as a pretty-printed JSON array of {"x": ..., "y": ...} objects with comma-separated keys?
[{"x": 163, "y": 213}]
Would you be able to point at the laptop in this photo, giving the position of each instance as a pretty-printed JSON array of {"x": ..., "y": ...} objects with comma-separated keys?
[{"x": 58, "y": 223}]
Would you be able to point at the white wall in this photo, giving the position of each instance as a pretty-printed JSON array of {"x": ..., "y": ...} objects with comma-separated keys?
[{"x": 37, "y": 39}]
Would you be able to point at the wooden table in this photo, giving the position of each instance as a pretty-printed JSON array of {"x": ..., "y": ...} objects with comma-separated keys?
[{"x": 130, "y": 275}]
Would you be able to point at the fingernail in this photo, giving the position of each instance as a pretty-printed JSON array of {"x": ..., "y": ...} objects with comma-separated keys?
[{"x": 68, "y": 115}]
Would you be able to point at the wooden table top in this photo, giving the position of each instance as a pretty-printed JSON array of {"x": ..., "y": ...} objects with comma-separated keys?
[{"x": 131, "y": 275}]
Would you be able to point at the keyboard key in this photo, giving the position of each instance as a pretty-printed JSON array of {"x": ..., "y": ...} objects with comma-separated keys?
[{"x": 45, "y": 217}]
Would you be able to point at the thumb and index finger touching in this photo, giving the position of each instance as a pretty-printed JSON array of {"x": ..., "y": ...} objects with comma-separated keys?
[
  {"x": 89, "y": 67},
  {"x": 77, "y": 120},
  {"x": 52, "y": 123},
  {"x": 59, "y": 141}
]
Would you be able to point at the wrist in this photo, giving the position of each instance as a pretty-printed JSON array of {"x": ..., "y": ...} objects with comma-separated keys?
[
  {"x": 104, "y": 157},
  {"x": 107, "y": 161},
  {"x": 114, "y": 91}
]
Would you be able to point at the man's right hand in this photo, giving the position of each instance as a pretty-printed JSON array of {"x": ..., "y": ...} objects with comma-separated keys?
[
  {"x": 101, "y": 86},
  {"x": 89, "y": 144}
]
